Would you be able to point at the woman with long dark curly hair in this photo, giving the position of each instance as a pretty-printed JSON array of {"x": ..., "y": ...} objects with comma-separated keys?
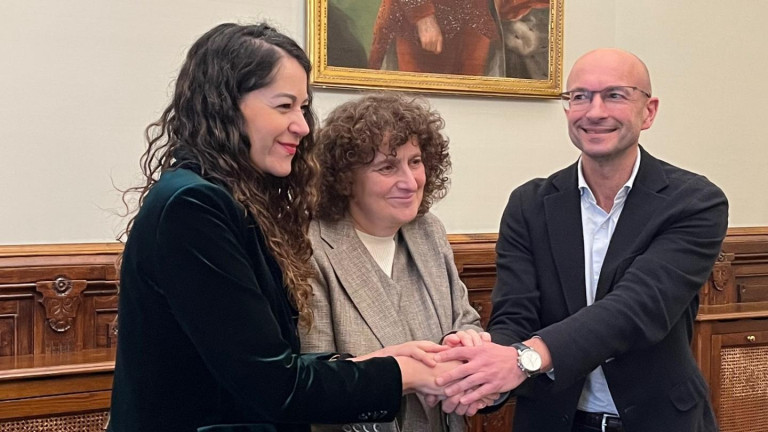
[
  {"x": 216, "y": 267},
  {"x": 385, "y": 270}
]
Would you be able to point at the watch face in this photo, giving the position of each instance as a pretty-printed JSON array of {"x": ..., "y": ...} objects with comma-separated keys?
[{"x": 530, "y": 360}]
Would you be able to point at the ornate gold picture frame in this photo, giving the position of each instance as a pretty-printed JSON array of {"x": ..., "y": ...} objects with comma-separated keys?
[{"x": 483, "y": 47}]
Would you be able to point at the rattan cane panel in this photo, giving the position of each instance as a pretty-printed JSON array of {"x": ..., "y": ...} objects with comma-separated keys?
[
  {"x": 91, "y": 422},
  {"x": 743, "y": 389}
]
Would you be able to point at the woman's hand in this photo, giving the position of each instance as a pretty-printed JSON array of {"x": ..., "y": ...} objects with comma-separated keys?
[
  {"x": 467, "y": 338},
  {"x": 421, "y": 378},
  {"x": 453, "y": 404},
  {"x": 422, "y": 351}
]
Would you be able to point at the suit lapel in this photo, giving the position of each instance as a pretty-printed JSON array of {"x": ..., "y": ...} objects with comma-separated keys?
[
  {"x": 355, "y": 269},
  {"x": 642, "y": 203},
  {"x": 563, "y": 213},
  {"x": 425, "y": 255}
]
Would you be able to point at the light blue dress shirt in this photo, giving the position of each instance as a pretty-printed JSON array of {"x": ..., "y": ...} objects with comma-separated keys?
[{"x": 598, "y": 227}]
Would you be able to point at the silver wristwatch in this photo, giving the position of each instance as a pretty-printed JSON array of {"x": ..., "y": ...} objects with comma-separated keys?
[{"x": 528, "y": 360}]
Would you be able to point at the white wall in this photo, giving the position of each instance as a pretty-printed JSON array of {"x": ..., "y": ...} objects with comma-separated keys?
[
  {"x": 708, "y": 62},
  {"x": 80, "y": 79}
]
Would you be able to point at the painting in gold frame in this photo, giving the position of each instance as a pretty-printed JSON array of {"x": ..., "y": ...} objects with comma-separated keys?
[{"x": 483, "y": 47}]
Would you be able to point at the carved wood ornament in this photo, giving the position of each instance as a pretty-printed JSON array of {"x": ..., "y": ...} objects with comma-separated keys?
[
  {"x": 61, "y": 299},
  {"x": 721, "y": 272}
]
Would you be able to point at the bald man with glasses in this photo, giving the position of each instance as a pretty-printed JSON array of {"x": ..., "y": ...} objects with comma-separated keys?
[{"x": 599, "y": 269}]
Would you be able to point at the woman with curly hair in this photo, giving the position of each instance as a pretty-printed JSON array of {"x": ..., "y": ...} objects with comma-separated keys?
[
  {"x": 385, "y": 269},
  {"x": 215, "y": 271}
]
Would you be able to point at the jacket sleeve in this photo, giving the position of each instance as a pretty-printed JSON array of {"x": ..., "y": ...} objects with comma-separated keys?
[
  {"x": 320, "y": 338},
  {"x": 515, "y": 296},
  {"x": 218, "y": 294}
]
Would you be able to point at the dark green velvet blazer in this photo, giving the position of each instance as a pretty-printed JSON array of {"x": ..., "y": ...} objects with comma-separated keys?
[{"x": 207, "y": 336}]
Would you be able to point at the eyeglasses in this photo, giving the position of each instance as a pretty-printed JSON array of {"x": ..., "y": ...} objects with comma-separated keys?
[{"x": 613, "y": 96}]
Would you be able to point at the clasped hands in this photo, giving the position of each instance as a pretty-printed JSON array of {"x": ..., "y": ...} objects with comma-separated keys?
[{"x": 467, "y": 372}]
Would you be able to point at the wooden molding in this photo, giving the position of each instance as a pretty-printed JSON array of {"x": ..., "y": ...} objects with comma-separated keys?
[
  {"x": 480, "y": 240},
  {"x": 60, "y": 249}
]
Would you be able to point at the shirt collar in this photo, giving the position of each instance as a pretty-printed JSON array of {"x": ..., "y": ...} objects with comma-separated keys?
[{"x": 583, "y": 187}]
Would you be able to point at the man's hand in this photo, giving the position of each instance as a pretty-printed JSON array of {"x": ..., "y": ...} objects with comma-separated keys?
[
  {"x": 489, "y": 370},
  {"x": 466, "y": 338}
]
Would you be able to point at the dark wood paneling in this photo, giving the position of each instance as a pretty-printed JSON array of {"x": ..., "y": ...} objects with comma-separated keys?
[{"x": 57, "y": 308}]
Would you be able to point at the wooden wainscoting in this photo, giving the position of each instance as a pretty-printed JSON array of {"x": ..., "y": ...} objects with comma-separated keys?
[
  {"x": 731, "y": 335},
  {"x": 58, "y": 311}
]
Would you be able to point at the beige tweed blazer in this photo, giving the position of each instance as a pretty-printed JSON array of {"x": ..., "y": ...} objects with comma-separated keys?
[{"x": 348, "y": 294}]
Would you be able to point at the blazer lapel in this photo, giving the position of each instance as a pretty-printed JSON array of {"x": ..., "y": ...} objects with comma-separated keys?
[
  {"x": 357, "y": 274},
  {"x": 563, "y": 213},
  {"x": 425, "y": 255},
  {"x": 643, "y": 202}
]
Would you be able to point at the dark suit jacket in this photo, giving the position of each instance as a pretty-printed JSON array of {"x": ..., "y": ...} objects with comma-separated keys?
[
  {"x": 208, "y": 336},
  {"x": 639, "y": 328}
]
